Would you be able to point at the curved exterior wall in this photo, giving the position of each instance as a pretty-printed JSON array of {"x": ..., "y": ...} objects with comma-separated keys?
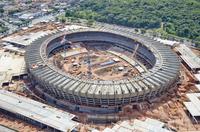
[{"x": 100, "y": 94}]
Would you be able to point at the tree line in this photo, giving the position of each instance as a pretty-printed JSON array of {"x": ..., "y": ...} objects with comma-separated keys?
[{"x": 179, "y": 17}]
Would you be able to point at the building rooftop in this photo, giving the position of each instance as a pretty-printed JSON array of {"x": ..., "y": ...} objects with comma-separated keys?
[
  {"x": 71, "y": 27},
  {"x": 10, "y": 65},
  {"x": 188, "y": 56},
  {"x": 28, "y": 38},
  {"x": 6, "y": 129},
  {"x": 197, "y": 76},
  {"x": 14, "y": 49},
  {"x": 194, "y": 105},
  {"x": 197, "y": 86},
  {"x": 37, "y": 111},
  {"x": 167, "y": 42},
  {"x": 149, "y": 125}
]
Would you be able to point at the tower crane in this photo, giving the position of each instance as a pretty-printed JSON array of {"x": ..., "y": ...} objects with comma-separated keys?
[
  {"x": 89, "y": 72},
  {"x": 135, "y": 50},
  {"x": 64, "y": 42}
]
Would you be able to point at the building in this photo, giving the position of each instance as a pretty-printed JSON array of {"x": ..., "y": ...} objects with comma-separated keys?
[
  {"x": 37, "y": 113},
  {"x": 167, "y": 42},
  {"x": 193, "y": 106},
  {"x": 11, "y": 67},
  {"x": 6, "y": 129},
  {"x": 96, "y": 96},
  {"x": 12, "y": 56},
  {"x": 197, "y": 78},
  {"x": 197, "y": 86},
  {"x": 190, "y": 59},
  {"x": 26, "y": 39},
  {"x": 149, "y": 125}
]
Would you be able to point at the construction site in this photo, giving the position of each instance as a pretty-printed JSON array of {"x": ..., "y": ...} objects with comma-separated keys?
[
  {"x": 100, "y": 72},
  {"x": 101, "y": 79},
  {"x": 97, "y": 62}
]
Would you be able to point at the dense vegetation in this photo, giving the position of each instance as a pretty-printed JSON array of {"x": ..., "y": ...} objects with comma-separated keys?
[{"x": 179, "y": 17}]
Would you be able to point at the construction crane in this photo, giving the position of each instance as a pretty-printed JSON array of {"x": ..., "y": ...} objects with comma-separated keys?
[
  {"x": 88, "y": 62},
  {"x": 135, "y": 50},
  {"x": 64, "y": 41}
]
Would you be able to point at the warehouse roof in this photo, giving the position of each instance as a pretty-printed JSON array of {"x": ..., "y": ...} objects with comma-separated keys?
[{"x": 37, "y": 111}]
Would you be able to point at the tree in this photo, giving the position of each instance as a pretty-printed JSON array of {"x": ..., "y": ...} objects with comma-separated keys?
[
  {"x": 90, "y": 23},
  {"x": 181, "y": 17}
]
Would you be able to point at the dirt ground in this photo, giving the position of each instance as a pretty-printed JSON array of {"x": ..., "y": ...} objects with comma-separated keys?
[
  {"x": 197, "y": 52},
  {"x": 17, "y": 124},
  {"x": 169, "y": 108},
  {"x": 109, "y": 72}
]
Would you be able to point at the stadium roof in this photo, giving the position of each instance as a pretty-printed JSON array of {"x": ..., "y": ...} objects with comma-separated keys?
[{"x": 37, "y": 111}]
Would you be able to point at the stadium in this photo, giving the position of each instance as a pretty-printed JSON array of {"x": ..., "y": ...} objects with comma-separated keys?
[{"x": 100, "y": 71}]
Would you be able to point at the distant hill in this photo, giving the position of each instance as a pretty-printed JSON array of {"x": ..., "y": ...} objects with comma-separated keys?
[{"x": 180, "y": 17}]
